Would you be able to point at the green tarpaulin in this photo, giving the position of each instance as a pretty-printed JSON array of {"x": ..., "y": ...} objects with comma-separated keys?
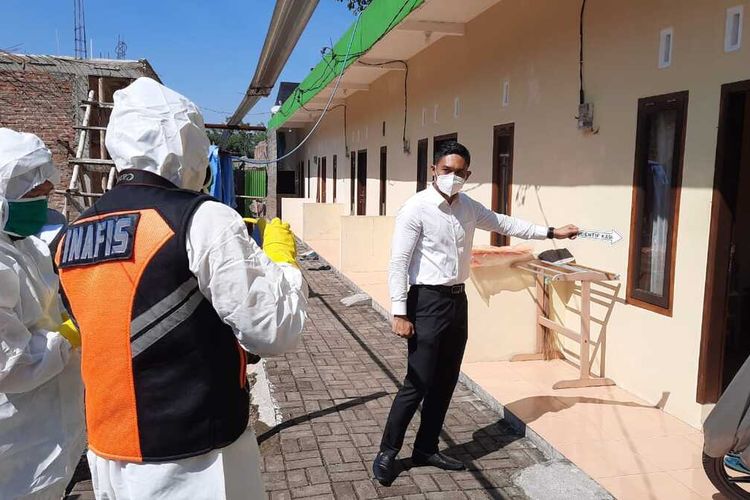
[{"x": 377, "y": 20}]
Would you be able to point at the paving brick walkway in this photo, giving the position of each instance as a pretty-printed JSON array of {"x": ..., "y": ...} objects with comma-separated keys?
[{"x": 335, "y": 391}]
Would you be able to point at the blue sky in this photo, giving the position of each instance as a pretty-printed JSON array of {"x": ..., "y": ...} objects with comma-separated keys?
[{"x": 204, "y": 49}]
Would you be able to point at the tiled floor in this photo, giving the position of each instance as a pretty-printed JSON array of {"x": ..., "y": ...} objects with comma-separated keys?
[{"x": 634, "y": 450}]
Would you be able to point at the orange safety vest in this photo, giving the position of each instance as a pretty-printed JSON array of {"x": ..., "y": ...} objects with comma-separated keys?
[{"x": 164, "y": 376}]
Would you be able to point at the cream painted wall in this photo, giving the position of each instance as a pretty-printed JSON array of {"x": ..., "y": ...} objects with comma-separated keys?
[
  {"x": 561, "y": 174},
  {"x": 366, "y": 243},
  {"x": 291, "y": 209},
  {"x": 322, "y": 229}
]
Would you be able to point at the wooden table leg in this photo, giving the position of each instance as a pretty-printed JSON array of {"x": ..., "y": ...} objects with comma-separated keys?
[
  {"x": 542, "y": 310},
  {"x": 585, "y": 330}
]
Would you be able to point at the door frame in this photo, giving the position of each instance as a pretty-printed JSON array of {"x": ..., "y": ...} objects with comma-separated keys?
[
  {"x": 713, "y": 330},
  {"x": 504, "y": 130}
]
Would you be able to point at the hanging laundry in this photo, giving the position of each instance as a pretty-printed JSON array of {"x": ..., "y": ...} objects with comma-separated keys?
[{"x": 222, "y": 176}]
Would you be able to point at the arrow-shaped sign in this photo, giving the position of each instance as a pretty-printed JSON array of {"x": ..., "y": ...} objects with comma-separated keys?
[{"x": 611, "y": 236}]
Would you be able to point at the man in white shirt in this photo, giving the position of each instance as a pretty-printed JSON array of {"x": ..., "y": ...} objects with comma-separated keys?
[{"x": 431, "y": 252}]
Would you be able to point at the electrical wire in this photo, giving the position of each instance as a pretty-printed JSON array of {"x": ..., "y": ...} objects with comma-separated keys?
[
  {"x": 346, "y": 144},
  {"x": 325, "y": 110},
  {"x": 580, "y": 55},
  {"x": 406, "y": 87}
]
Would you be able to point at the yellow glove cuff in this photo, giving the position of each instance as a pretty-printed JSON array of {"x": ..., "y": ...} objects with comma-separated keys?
[{"x": 70, "y": 332}]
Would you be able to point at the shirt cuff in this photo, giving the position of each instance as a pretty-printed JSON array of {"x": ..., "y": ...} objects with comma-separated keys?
[
  {"x": 540, "y": 233},
  {"x": 398, "y": 308}
]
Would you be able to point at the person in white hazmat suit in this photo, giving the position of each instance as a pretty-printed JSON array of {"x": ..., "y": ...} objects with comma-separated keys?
[
  {"x": 42, "y": 434},
  {"x": 188, "y": 295}
]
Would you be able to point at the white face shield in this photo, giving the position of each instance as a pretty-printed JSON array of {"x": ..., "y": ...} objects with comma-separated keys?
[
  {"x": 156, "y": 129},
  {"x": 25, "y": 163}
]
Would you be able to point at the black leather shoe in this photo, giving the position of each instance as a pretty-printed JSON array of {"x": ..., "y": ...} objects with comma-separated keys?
[
  {"x": 384, "y": 467},
  {"x": 437, "y": 460}
]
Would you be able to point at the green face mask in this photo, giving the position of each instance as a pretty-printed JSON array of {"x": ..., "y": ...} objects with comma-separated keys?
[{"x": 26, "y": 216}]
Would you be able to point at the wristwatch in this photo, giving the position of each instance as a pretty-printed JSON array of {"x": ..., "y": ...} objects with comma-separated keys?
[{"x": 550, "y": 233}]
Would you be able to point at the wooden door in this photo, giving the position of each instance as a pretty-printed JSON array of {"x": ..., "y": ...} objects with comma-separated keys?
[
  {"x": 335, "y": 158},
  {"x": 725, "y": 339},
  {"x": 352, "y": 177},
  {"x": 383, "y": 177},
  {"x": 422, "y": 164},
  {"x": 362, "y": 182},
  {"x": 323, "y": 175}
]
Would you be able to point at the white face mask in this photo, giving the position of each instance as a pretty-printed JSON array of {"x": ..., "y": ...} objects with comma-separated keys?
[{"x": 449, "y": 184}]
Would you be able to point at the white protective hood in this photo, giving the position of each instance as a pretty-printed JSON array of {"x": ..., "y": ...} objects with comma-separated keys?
[
  {"x": 25, "y": 163},
  {"x": 156, "y": 129}
]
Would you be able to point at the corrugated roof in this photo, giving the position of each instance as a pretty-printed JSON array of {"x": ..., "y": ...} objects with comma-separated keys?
[{"x": 84, "y": 67}]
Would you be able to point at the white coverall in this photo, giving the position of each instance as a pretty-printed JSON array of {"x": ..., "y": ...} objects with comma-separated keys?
[
  {"x": 42, "y": 432},
  {"x": 155, "y": 129}
]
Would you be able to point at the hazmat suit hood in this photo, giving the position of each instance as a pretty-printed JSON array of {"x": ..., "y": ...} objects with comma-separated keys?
[
  {"x": 25, "y": 163},
  {"x": 154, "y": 128}
]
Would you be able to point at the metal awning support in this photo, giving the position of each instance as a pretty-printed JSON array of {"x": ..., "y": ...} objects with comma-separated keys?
[
  {"x": 246, "y": 128},
  {"x": 287, "y": 23}
]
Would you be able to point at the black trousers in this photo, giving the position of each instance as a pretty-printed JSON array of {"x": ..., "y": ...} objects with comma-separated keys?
[{"x": 435, "y": 353}]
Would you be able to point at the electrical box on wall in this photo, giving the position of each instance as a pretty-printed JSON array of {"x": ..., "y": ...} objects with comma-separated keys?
[{"x": 586, "y": 116}]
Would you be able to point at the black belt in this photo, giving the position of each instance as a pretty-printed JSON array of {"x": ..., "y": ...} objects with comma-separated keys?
[{"x": 446, "y": 289}]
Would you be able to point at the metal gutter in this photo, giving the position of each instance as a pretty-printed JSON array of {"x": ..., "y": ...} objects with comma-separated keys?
[{"x": 287, "y": 23}]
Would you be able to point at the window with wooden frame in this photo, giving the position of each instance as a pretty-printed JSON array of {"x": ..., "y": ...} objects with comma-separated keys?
[
  {"x": 659, "y": 149},
  {"x": 502, "y": 176},
  {"x": 439, "y": 140}
]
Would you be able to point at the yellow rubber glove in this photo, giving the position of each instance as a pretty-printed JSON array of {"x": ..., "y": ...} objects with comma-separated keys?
[
  {"x": 278, "y": 242},
  {"x": 70, "y": 332}
]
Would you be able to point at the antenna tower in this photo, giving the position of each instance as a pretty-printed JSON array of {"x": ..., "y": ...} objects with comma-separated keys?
[
  {"x": 79, "y": 30},
  {"x": 121, "y": 48}
]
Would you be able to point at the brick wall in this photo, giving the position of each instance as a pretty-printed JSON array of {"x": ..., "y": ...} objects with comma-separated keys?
[{"x": 44, "y": 104}]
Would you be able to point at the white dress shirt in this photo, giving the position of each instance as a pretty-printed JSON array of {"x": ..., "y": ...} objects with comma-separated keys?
[
  {"x": 265, "y": 304},
  {"x": 432, "y": 241}
]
